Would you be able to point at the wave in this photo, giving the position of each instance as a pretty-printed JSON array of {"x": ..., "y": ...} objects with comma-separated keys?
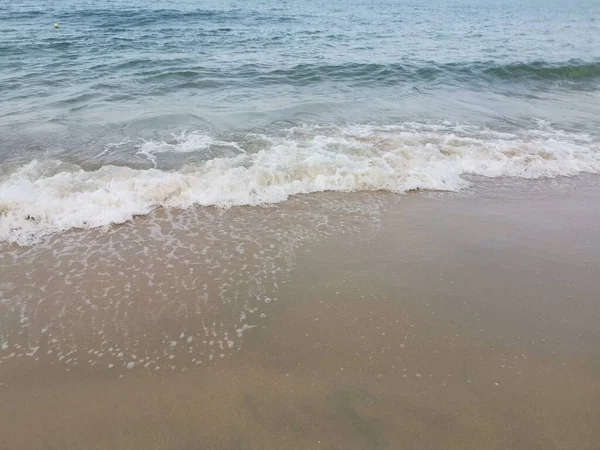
[
  {"x": 368, "y": 74},
  {"x": 43, "y": 197},
  {"x": 431, "y": 71},
  {"x": 571, "y": 71},
  {"x": 119, "y": 18}
]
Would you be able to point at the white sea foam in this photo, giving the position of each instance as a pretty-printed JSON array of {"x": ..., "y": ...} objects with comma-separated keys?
[
  {"x": 183, "y": 143},
  {"x": 43, "y": 197}
]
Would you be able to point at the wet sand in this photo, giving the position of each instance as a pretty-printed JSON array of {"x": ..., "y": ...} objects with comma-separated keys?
[{"x": 422, "y": 321}]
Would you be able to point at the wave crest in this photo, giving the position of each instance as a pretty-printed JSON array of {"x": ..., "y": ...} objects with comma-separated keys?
[{"x": 43, "y": 197}]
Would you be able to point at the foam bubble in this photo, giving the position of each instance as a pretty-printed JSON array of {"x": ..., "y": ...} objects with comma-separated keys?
[{"x": 43, "y": 197}]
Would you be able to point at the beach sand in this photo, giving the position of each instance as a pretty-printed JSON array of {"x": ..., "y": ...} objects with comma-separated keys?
[{"x": 332, "y": 321}]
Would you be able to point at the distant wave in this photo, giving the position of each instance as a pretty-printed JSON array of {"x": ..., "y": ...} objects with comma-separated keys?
[
  {"x": 571, "y": 71},
  {"x": 357, "y": 74},
  {"x": 115, "y": 18},
  {"x": 24, "y": 14},
  {"x": 457, "y": 72},
  {"x": 145, "y": 76},
  {"x": 44, "y": 197}
]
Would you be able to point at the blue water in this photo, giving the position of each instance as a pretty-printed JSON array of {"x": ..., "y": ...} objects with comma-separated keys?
[{"x": 166, "y": 85}]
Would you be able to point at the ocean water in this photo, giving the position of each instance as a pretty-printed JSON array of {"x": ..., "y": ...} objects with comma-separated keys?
[{"x": 128, "y": 107}]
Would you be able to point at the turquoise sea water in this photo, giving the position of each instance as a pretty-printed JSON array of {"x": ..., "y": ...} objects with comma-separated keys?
[{"x": 127, "y": 107}]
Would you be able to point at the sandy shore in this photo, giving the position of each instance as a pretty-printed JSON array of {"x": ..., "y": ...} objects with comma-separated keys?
[{"x": 423, "y": 321}]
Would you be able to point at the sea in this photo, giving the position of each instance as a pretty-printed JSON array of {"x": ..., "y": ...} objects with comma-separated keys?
[{"x": 126, "y": 107}]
